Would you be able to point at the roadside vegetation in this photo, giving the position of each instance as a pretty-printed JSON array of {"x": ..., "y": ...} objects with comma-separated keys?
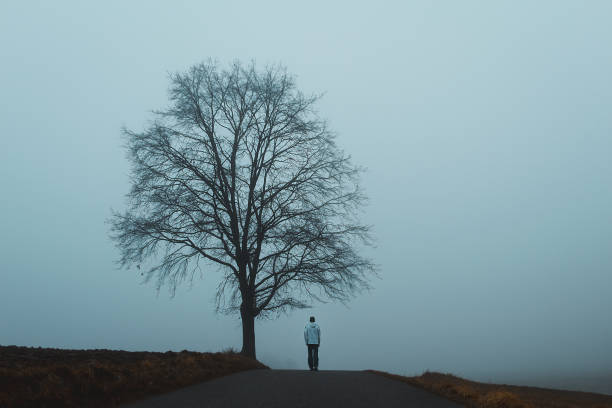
[
  {"x": 483, "y": 395},
  {"x": 44, "y": 377}
]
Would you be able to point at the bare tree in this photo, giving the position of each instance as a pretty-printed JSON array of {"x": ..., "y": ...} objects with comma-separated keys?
[{"x": 241, "y": 171}]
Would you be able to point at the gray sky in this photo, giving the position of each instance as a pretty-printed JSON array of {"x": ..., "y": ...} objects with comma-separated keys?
[{"x": 485, "y": 127}]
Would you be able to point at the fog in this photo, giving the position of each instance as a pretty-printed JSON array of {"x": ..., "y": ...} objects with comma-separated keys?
[{"x": 485, "y": 128}]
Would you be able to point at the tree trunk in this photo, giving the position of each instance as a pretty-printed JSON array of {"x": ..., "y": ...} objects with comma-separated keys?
[{"x": 248, "y": 331}]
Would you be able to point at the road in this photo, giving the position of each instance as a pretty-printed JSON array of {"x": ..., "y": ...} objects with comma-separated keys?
[{"x": 296, "y": 388}]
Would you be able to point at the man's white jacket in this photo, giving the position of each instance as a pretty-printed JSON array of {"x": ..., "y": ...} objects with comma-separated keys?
[{"x": 312, "y": 333}]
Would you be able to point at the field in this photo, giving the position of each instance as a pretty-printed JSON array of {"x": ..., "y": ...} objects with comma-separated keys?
[
  {"x": 482, "y": 395},
  {"x": 37, "y": 377},
  {"x": 43, "y": 377}
]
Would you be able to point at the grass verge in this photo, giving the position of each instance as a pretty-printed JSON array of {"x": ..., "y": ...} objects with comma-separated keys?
[
  {"x": 483, "y": 395},
  {"x": 37, "y": 377}
]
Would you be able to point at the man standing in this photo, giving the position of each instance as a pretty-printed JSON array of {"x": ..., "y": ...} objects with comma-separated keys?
[{"x": 312, "y": 336}]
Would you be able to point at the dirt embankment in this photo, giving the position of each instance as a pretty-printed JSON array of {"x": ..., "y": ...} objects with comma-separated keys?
[
  {"x": 36, "y": 377},
  {"x": 482, "y": 395}
]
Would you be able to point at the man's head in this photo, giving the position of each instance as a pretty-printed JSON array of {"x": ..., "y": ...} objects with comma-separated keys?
[{"x": 312, "y": 318}]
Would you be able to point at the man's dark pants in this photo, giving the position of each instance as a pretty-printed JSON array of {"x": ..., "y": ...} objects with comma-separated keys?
[{"x": 313, "y": 356}]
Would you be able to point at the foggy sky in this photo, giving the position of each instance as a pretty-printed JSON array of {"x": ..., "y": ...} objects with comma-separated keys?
[{"x": 485, "y": 128}]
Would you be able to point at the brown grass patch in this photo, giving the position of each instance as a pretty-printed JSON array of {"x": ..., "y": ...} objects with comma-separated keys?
[
  {"x": 34, "y": 377},
  {"x": 482, "y": 395}
]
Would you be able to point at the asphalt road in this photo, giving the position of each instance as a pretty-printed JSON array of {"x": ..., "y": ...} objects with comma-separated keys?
[{"x": 296, "y": 388}]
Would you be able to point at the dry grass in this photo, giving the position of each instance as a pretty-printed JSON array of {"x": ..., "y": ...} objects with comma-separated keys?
[
  {"x": 481, "y": 395},
  {"x": 35, "y": 377}
]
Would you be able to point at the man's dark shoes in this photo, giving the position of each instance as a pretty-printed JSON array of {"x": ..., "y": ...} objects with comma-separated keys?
[{"x": 316, "y": 368}]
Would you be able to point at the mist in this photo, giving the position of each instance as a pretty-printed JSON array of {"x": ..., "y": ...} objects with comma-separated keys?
[{"x": 485, "y": 129}]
